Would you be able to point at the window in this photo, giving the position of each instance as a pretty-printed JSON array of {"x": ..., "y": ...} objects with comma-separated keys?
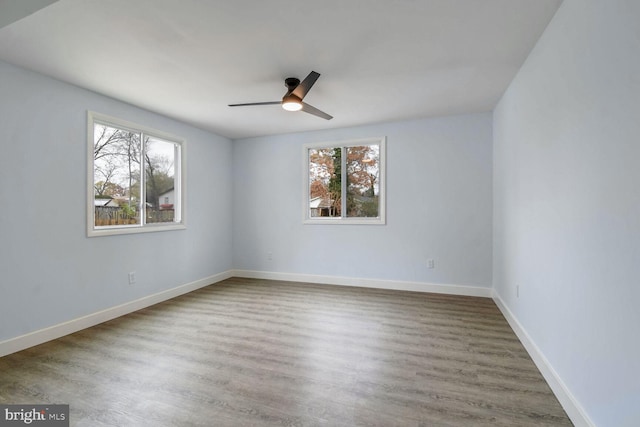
[
  {"x": 353, "y": 197},
  {"x": 135, "y": 178}
]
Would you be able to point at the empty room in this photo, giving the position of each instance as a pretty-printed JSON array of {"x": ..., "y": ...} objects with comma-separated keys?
[{"x": 260, "y": 213}]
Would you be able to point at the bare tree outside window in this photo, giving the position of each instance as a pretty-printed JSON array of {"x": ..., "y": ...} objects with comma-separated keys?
[
  {"x": 116, "y": 165},
  {"x": 135, "y": 177},
  {"x": 159, "y": 161}
]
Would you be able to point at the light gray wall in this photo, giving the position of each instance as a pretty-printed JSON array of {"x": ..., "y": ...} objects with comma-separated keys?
[
  {"x": 438, "y": 206},
  {"x": 50, "y": 272},
  {"x": 567, "y": 203}
]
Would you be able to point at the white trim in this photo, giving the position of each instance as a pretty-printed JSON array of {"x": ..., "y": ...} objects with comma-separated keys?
[
  {"x": 132, "y": 229},
  {"x": 572, "y": 407},
  {"x": 130, "y": 126},
  {"x": 381, "y": 141},
  {"x": 343, "y": 221},
  {"x": 179, "y": 178},
  {"x": 41, "y": 336},
  {"x": 474, "y": 291}
]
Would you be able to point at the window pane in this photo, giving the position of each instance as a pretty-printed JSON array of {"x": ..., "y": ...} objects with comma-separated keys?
[
  {"x": 325, "y": 180},
  {"x": 359, "y": 198},
  {"x": 159, "y": 169},
  {"x": 116, "y": 176},
  {"x": 362, "y": 181}
]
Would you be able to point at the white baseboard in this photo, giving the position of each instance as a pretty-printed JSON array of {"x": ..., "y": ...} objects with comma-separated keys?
[
  {"x": 47, "y": 334},
  {"x": 474, "y": 291},
  {"x": 572, "y": 407},
  {"x": 41, "y": 336}
]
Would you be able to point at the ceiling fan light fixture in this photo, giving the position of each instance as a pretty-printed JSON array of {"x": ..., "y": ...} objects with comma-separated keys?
[
  {"x": 292, "y": 100},
  {"x": 291, "y": 103}
]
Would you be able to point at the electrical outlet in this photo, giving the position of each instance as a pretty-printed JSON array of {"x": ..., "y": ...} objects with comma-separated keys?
[
  {"x": 517, "y": 291},
  {"x": 270, "y": 256},
  {"x": 431, "y": 263},
  {"x": 132, "y": 277}
]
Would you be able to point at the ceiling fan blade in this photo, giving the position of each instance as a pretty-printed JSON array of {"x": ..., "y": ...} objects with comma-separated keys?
[
  {"x": 313, "y": 110},
  {"x": 301, "y": 90},
  {"x": 256, "y": 103}
]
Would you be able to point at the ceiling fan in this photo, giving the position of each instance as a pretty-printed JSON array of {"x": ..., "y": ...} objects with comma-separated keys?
[{"x": 292, "y": 100}]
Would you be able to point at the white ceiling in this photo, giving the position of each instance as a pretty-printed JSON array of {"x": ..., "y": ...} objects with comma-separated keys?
[{"x": 379, "y": 61}]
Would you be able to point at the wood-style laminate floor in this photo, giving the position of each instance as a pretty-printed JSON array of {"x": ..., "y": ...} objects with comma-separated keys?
[{"x": 249, "y": 352}]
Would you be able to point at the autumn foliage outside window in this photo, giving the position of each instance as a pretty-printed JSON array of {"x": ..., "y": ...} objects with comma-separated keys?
[{"x": 345, "y": 181}]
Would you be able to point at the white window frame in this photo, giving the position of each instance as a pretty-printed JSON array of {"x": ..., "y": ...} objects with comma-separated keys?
[
  {"x": 381, "y": 218},
  {"x": 179, "y": 222}
]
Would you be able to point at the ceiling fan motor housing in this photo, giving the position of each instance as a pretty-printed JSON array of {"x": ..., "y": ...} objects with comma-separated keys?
[
  {"x": 292, "y": 100},
  {"x": 291, "y": 82}
]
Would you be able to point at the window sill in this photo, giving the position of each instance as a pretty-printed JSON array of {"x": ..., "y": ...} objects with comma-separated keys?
[
  {"x": 342, "y": 221},
  {"x": 132, "y": 229}
]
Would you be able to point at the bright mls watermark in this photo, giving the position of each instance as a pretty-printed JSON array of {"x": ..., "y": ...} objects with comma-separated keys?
[{"x": 34, "y": 415}]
